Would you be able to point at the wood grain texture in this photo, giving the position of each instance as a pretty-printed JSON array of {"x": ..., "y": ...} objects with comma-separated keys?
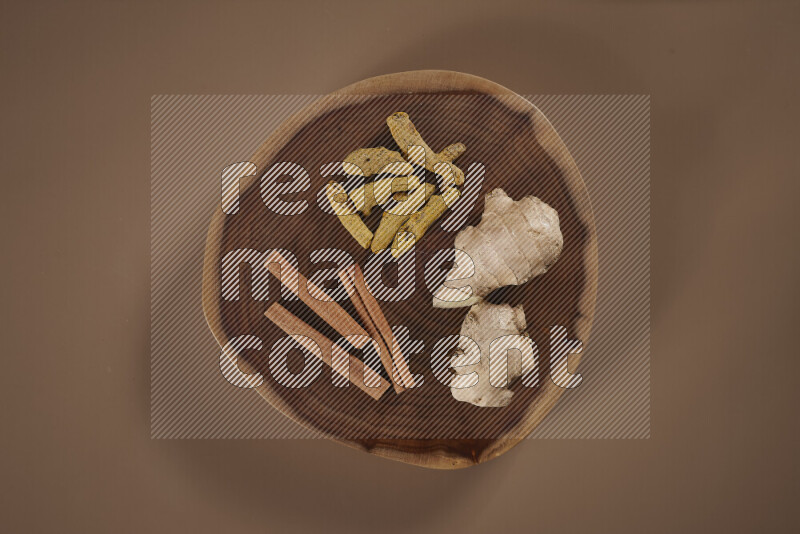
[{"x": 522, "y": 154}]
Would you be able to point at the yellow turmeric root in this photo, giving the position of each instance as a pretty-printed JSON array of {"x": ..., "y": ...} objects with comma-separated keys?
[
  {"x": 406, "y": 135},
  {"x": 347, "y": 214},
  {"x": 392, "y": 219},
  {"x": 364, "y": 197},
  {"x": 373, "y": 160},
  {"x": 418, "y": 223},
  {"x": 403, "y": 222}
]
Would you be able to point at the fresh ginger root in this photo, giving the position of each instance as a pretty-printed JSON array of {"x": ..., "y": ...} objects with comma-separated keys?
[
  {"x": 514, "y": 242},
  {"x": 484, "y": 324}
]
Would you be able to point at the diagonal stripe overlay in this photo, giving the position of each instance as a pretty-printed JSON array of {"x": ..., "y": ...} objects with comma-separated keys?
[{"x": 194, "y": 138}]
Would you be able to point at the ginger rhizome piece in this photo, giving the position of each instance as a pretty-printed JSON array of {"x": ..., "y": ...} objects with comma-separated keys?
[
  {"x": 488, "y": 331},
  {"x": 515, "y": 241}
]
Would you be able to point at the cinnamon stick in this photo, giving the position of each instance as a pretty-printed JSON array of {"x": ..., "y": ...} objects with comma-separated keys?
[
  {"x": 330, "y": 312},
  {"x": 293, "y": 325},
  {"x": 372, "y": 311},
  {"x": 346, "y": 276}
]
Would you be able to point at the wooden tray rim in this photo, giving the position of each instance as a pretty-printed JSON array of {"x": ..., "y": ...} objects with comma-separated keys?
[{"x": 421, "y": 81}]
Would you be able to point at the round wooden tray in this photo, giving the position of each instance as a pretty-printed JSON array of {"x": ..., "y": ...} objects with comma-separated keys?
[{"x": 521, "y": 153}]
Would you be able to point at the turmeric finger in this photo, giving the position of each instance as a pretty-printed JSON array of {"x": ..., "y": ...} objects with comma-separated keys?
[
  {"x": 371, "y": 194},
  {"x": 364, "y": 197},
  {"x": 394, "y": 217},
  {"x": 452, "y": 152},
  {"x": 418, "y": 223},
  {"x": 373, "y": 160},
  {"x": 406, "y": 135},
  {"x": 347, "y": 214}
]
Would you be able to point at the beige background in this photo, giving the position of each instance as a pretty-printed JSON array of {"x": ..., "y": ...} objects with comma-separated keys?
[{"x": 77, "y": 80}]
